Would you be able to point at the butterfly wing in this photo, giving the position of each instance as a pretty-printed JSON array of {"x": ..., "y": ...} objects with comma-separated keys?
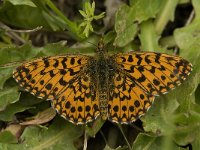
[
  {"x": 142, "y": 76},
  {"x": 63, "y": 80}
]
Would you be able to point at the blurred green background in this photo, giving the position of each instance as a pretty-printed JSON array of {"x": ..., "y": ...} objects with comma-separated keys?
[{"x": 34, "y": 28}]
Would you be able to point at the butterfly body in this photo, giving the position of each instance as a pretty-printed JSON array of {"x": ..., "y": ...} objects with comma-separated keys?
[
  {"x": 120, "y": 87},
  {"x": 102, "y": 85},
  {"x": 100, "y": 66}
]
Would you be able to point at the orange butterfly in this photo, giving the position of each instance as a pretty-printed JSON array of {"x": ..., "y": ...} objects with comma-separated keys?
[{"x": 120, "y": 87}]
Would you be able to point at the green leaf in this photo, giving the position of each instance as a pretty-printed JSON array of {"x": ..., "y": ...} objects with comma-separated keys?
[
  {"x": 142, "y": 10},
  {"x": 22, "y": 16},
  {"x": 161, "y": 117},
  {"x": 188, "y": 40},
  {"x": 5, "y": 74},
  {"x": 20, "y": 2},
  {"x": 83, "y": 13},
  {"x": 97, "y": 17},
  {"x": 8, "y": 96},
  {"x": 41, "y": 118},
  {"x": 91, "y": 28},
  {"x": 86, "y": 30},
  {"x": 9, "y": 113},
  {"x": 52, "y": 49},
  {"x": 196, "y": 142},
  {"x": 7, "y": 137},
  {"x": 59, "y": 136},
  {"x": 128, "y": 17},
  {"x": 166, "y": 14},
  {"x": 12, "y": 54},
  {"x": 156, "y": 120},
  {"x": 10, "y": 58},
  {"x": 196, "y": 5},
  {"x": 124, "y": 26},
  {"x": 95, "y": 127},
  {"x": 83, "y": 24},
  {"x": 91, "y": 8},
  {"x": 146, "y": 142},
  {"x": 27, "y": 16},
  {"x": 88, "y": 8},
  {"x": 188, "y": 36},
  {"x": 187, "y": 133}
]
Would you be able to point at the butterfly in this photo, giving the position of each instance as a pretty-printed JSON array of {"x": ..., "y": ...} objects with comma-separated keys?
[{"x": 119, "y": 87}]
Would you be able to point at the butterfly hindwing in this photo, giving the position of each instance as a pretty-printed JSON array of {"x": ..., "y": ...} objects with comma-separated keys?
[
  {"x": 127, "y": 101},
  {"x": 78, "y": 102}
]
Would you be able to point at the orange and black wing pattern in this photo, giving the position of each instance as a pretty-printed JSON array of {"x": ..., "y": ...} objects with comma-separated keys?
[
  {"x": 63, "y": 80},
  {"x": 127, "y": 101},
  {"x": 139, "y": 77}
]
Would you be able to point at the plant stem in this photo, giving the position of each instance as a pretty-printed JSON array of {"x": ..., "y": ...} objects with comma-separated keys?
[{"x": 129, "y": 146}]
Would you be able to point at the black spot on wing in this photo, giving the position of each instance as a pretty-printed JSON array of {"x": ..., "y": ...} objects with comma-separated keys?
[
  {"x": 63, "y": 62},
  {"x": 141, "y": 79},
  {"x": 139, "y": 59},
  {"x": 56, "y": 63},
  {"x": 130, "y": 58},
  {"x": 62, "y": 82},
  {"x": 46, "y": 62},
  {"x": 72, "y": 61},
  {"x": 147, "y": 60},
  {"x": 51, "y": 73},
  {"x": 48, "y": 86}
]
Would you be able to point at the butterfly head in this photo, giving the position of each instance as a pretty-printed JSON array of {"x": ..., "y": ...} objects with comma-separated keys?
[{"x": 101, "y": 47}]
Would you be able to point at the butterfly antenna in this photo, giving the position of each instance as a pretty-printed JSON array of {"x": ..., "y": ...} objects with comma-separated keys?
[
  {"x": 11, "y": 64},
  {"x": 93, "y": 44}
]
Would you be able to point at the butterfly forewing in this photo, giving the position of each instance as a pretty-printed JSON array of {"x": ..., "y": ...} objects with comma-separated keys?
[
  {"x": 155, "y": 73},
  {"x": 60, "y": 79}
]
